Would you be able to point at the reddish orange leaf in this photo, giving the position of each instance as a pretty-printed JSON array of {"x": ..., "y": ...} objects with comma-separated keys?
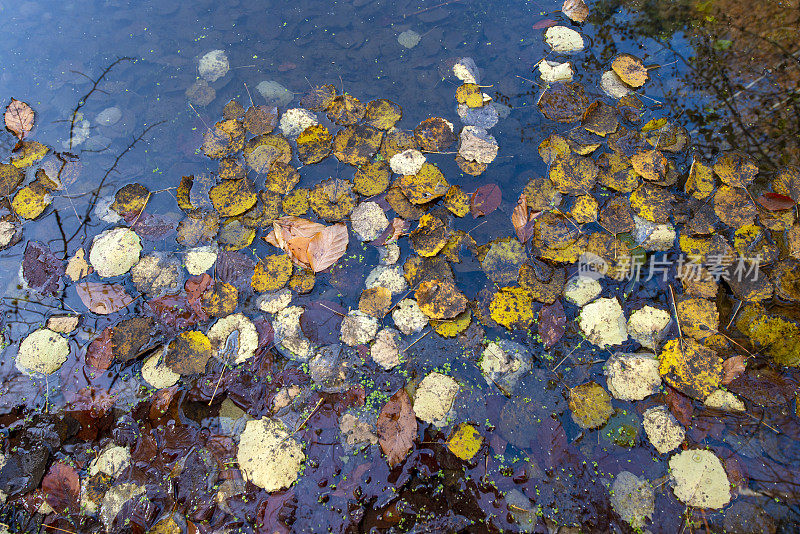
[
  {"x": 327, "y": 247},
  {"x": 19, "y": 118},
  {"x": 775, "y": 202},
  {"x": 732, "y": 368},
  {"x": 103, "y": 298},
  {"x": 485, "y": 200}
]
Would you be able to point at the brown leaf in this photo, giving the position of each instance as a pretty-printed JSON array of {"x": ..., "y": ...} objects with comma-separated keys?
[
  {"x": 61, "y": 487},
  {"x": 775, "y": 202},
  {"x": 327, "y": 247},
  {"x": 523, "y": 219},
  {"x": 99, "y": 353},
  {"x": 552, "y": 323},
  {"x": 575, "y": 10},
  {"x": 19, "y": 118},
  {"x": 544, "y": 23},
  {"x": 680, "y": 405},
  {"x": 485, "y": 200},
  {"x": 732, "y": 368},
  {"x": 103, "y": 298},
  {"x": 397, "y": 427}
]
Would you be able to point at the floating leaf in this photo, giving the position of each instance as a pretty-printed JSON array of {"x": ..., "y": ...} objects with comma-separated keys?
[
  {"x": 734, "y": 207},
  {"x": 574, "y": 175},
  {"x": 690, "y": 367},
  {"x": 10, "y": 178},
  {"x": 259, "y": 120},
  {"x": 372, "y": 178},
  {"x": 233, "y": 197},
  {"x": 357, "y": 144},
  {"x": 552, "y": 324},
  {"x": 314, "y": 144},
  {"x": 650, "y": 165},
  {"x": 440, "y": 299},
  {"x": 221, "y": 300},
  {"x": 523, "y": 219},
  {"x": 775, "y": 202},
  {"x": 428, "y": 184},
  {"x": 272, "y": 273},
  {"x": 333, "y": 199},
  {"x": 501, "y": 260},
  {"x": 130, "y": 200},
  {"x": 430, "y": 236},
  {"x": 188, "y": 353},
  {"x": 453, "y": 327},
  {"x": 129, "y": 336},
  {"x": 590, "y": 405},
  {"x": 512, "y": 307},
  {"x": 564, "y": 102},
  {"x": 345, "y": 110},
  {"x": 383, "y": 114},
  {"x": 435, "y": 134},
  {"x": 630, "y": 70},
  {"x": 576, "y": 10},
  {"x": 397, "y": 427},
  {"x": 26, "y": 153},
  {"x": 787, "y": 183},
  {"x": 262, "y": 151},
  {"x": 485, "y": 200},
  {"x": 327, "y": 246},
  {"x": 31, "y": 201},
  {"x": 225, "y": 138},
  {"x": 470, "y": 94},
  {"x": 375, "y": 301},
  {"x": 41, "y": 269},
  {"x": 457, "y": 201},
  {"x": 103, "y": 298},
  {"x": 19, "y": 118},
  {"x": 465, "y": 442},
  {"x": 732, "y": 368},
  {"x": 735, "y": 169}
]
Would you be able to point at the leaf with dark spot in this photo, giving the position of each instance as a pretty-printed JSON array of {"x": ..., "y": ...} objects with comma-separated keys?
[
  {"x": 552, "y": 323},
  {"x": 321, "y": 321},
  {"x": 397, "y": 427},
  {"x": 41, "y": 269},
  {"x": 485, "y": 200}
]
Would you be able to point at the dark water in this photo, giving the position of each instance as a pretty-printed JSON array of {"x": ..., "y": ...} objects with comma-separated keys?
[{"x": 726, "y": 73}]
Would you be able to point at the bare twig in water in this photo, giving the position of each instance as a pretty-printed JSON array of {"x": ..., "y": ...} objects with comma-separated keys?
[{"x": 95, "y": 83}]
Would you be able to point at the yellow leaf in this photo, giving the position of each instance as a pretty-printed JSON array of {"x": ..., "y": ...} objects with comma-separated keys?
[
  {"x": 233, "y": 197},
  {"x": 440, "y": 299},
  {"x": 465, "y": 442},
  {"x": 188, "y": 353},
  {"x": 457, "y": 201},
  {"x": 690, "y": 367},
  {"x": 590, "y": 405},
  {"x": 430, "y": 236},
  {"x": 512, "y": 307},
  {"x": 453, "y": 327},
  {"x": 372, "y": 178},
  {"x": 383, "y": 114},
  {"x": 31, "y": 201},
  {"x": 296, "y": 202},
  {"x": 314, "y": 144},
  {"x": 29, "y": 153},
  {"x": 428, "y": 184},
  {"x": 630, "y": 70},
  {"x": 271, "y": 273}
]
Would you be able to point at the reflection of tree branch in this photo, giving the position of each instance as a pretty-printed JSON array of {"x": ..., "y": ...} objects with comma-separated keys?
[
  {"x": 84, "y": 98},
  {"x": 113, "y": 168}
]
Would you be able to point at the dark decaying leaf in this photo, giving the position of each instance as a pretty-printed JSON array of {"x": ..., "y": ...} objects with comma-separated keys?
[
  {"x": 99, "y": 353},
  {"x": 397, "y": 427},
  {"x": 564, "y": 102},
  {"x": 321, "y": 321},
  {"x": 195, "y": 286},
  {"x": 552, "y": 323},
  {"x": 550, "y": 446},
  {"x": 154, "y": 227},
  {"x": 485, "y": 200},
  {"x": 41, "y": 269},
  {"x": 775, "y": 202},
  {"x": 130, "y": 336},
  {"x": 178, "y": 311},
  {"x": 61, "y": 487},
  {"x": 764, "y": 387},
  {"x": 235, "y": 269}
]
